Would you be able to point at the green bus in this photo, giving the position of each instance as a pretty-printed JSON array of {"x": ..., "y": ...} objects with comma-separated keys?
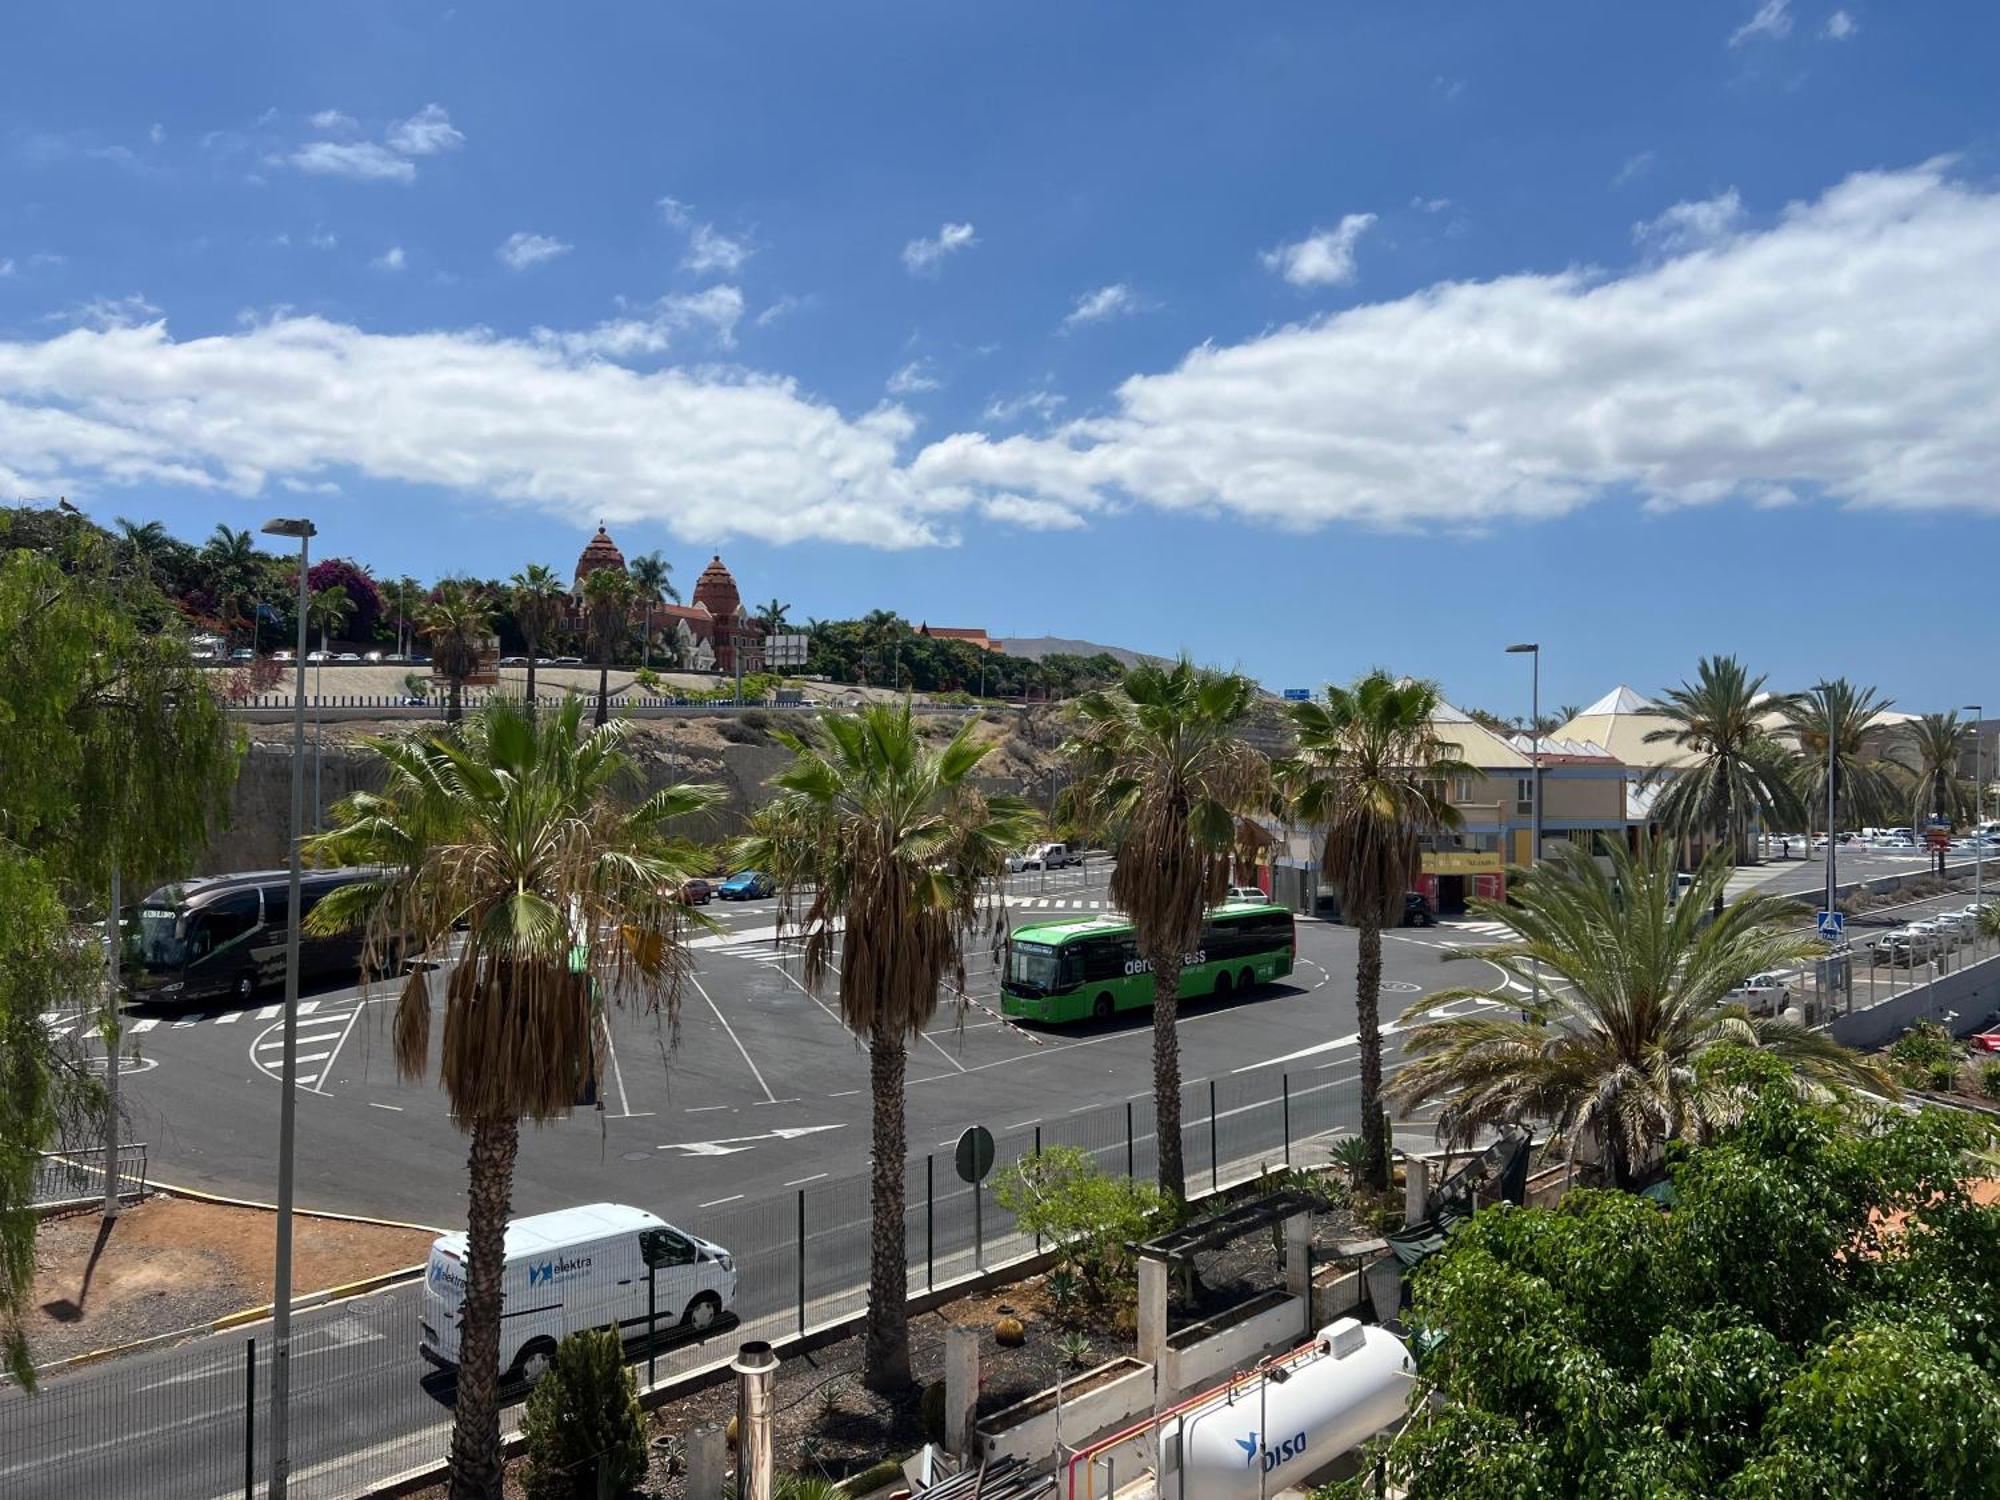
[{"x": 1090, "y": 966}]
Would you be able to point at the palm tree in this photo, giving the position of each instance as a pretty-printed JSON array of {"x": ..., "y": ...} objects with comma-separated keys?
[
  {"x": 508, "y": 839},
  {"x": 607, "y": 613},
  {"x": 457, "y": 623},
  {"x": 1862, "y": 784},
  {"x": 539, "y": 601},
  {"x": 772, "y": 615},
  {"x": 1734, "y": 768},
  {"x": 1567, "y": 711},
  {"x": 328, "y": 609},
  {"x": 231, "y": 560},
  {"x": 651, "y": 577},
  {"x": 1372, "y": 771},
  {"x": 146, "y": 540},
  {"x": 1635, "y": 989},
  {"x": 1934, "y": 746},
  {"x": 406, "y": 594},
  {"x": 895, "y": 851},
  {"x": 883, "y": 630},
  {"x": 1160, "y": 756}
]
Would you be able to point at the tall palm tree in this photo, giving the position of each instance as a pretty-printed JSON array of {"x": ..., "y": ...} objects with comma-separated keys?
[
  {"x": 231, "y": 561},
  {"x": 146, "y": 540},
  {"x": 511, "y": 840},
  {"x": 1933, "y": 748},
  {"x": 882, "y": 630},
  {"x": 895, "y": 853},
  {"x": 539, "y": 601},
  {"x": 771, "y": 615},
  {"x": 652, "y": 577},
  {"x": 1160, "y": 755},
  {"x": 1372, "y": 771},
  {"x": 406, "y": 594},
  {"x": 327, "y": 610},
  {"x": 1567, "y": 711},
  {"x": 457, "y": 622},
  {"x": 1635, "y": 989},
  {"x": 1733, "y": 767},
  {"x": 607, "y": 613},
  {"x": 1864, "y": 786}
]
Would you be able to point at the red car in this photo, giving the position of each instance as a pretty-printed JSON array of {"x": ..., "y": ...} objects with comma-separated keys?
[
  {"x": 1985, "y": 1041},
  {"x": 695, "y": 892}
]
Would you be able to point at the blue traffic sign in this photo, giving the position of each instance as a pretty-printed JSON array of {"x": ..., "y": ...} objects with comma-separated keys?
[
  {"x": 1297, "y": 695},
  {"x": 1832, "y": 924}
]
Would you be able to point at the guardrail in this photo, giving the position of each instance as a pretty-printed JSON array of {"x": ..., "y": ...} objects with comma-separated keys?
[{"x": 75, "y": 1179}]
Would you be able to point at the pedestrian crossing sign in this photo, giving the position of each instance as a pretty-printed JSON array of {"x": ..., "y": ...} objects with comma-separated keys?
[{"x": 1832, "y": 925}]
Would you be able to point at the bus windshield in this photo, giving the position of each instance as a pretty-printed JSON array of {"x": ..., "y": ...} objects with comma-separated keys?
[
  {"x": 154, "y": 939},
  {"x": 1032, "y": 966}
]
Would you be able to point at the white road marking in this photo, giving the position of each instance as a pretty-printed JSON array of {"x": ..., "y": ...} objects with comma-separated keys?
[
  {"x": 754, "y": 1071},
  {"x": 144, "y": 1025},
  {"x": 617, "y": 1073},
  {"x": 801, "y": 1182},
  {"x": 718, "y": 1202},
  {"x": 702, "y": 1109},
  {"x": 227, "y": 1016},
  {"x": 345, "y": 1032},
  {"x": 269, "y": 1012},
  {"x": 730, "y": 1145},
  {"x": 372, "y": 1104}
]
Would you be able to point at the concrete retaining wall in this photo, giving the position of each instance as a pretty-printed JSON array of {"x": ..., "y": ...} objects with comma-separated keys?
[
  {"x": 1962, "y": 1000},
  {"x": 1200, "y": 1355}
]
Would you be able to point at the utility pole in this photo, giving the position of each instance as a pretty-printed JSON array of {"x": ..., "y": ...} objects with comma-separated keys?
[
  {"x": 115, "y": 1042},
  {"x": 1825, "y": 692},
  {"x": 1533, "y": 650},
  {"x": 1978, "y": 713}
]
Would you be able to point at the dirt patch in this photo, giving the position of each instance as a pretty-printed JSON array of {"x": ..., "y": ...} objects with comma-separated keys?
[{"x": 173, "y": 1263}]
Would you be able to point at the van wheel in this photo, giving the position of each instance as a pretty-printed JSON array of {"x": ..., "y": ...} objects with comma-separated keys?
[
  {"x": 1102, "y": 1008},
  {"x": 702, "y": 1313},
  {"x": 246, "y": 988},
  {"x": 1224, "y": 987},
  {"x": 533, "y": 1362}
]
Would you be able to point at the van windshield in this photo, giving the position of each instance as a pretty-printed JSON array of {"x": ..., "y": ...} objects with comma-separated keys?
[{"x": 155, "y": 940}]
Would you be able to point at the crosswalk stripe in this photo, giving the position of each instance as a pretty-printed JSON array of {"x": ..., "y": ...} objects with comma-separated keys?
[
  {"x": 269, "y": 1012},
  {"x": 145, "y": 1024}
]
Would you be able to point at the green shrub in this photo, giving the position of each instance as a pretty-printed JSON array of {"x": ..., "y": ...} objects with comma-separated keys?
[
  {"x": 1941, "y": 1077},
  {"x": 1088, "y": 1216},
  {"x": 581, "y": 1427},
  {"x": 1926, "y": 1043},
  {"x": 1989, "y": 1079}
]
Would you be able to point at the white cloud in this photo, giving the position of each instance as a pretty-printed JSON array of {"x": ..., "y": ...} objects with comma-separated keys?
[
  {"x": 650, "y": 329},
  {"x": 128, "y": 311},
  {"x": 1323, "y": 258},
  {"x": 710, "y": 251},
  {"x": 923, "y": 256},
  {"x": 784, "y": 307},
  {"x": 364, "y": 161},
  {"x": 391, "y": 259},
  {"x": 1692, "y": 226},
  {"x": 1040, "y": 404},
  {"x": 6, "y": 267},
  {"x": 1425, "y": 205},
  {"x": 675, "y": 212},
  {"x": 425, "y": 133},
  {"x": 1634, "y": 167},
  {"x": 156, "y": 133},
  {"x": 331, "y": 120},
  {"x": 914, "y": 377},
  {"x": 1114, "y": 301},
  {"x": 323, "y": 239},
  {"x": 1773, "y": 20},
  {"x": 1845, "y": 353},
  {"x": 520, "y": 250},
  {"x": 1840, "y": 26}
]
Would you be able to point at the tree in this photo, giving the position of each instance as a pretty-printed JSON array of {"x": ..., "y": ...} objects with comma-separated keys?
[
  {"x": 539, "y": 602},
  {"x": 893, "y": 852},
  {"x": 405, "y": 596},
  {"x": 771, "y": 615},
  {"x": 1635, "y": 991},
  {"x": 1160, "y": 755},
  {"x": 1372, "y": 771},
  {"x": 607, "y": 613},
  {"x": 652, "y": 580},
  {"x": 510, "y": 839},
  {"x": 1733, "y": 768},
  {"x": 457, "y": 622},
  {"x": 233, "y": 567},
  {"x": 1812, "y": 1318},
  {"x": 581, "y": 1427},
  {"x": 114, "y": 758},
  {"x": 1862, "y": 784},
  {"x": 328, "y": 609},
  {"x": 1933, "y": 748}
]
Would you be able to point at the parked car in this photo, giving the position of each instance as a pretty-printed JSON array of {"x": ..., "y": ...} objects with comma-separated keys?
[
  {"x": 1984, "y": 1041},
  {"x": 374, "y": 656},
  {"x": 696, "y": 892},
  {"x": 746, "y": 885},
  {"x": 348, "y": 656},
  {"x": 513, "y": 661},
  {"x": 283, "y": 656},
  {"x": 1245, "y": 893},
  {"x": 1905, "y": 948},
  {"x": 397, "y": 657},
  {"x": 1048, "y": 857},
  {"x": 243, "y": 653},
  {"x": 1417, "y": 911},
  {"x": 567, "y": 661},
  {"x": 319, "y": 656},
  {"x": 603, "y": 1265},
  {"x": 1763, "y": 994}
]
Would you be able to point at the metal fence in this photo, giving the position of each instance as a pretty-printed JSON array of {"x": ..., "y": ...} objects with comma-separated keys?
[
  {"x": 75, "y": 1179},
  {"x": 434, "y": 705},
  {"x": 187, "y": 1422}
]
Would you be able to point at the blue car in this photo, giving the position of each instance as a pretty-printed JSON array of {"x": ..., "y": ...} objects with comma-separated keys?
[{"x": 746, "y": 885}]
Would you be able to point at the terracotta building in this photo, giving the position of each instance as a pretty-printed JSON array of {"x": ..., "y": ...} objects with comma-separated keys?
[{"x": 705, "y": 634}]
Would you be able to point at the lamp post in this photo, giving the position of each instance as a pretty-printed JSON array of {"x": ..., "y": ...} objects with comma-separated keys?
[
  {"x": 279, "y": 1465},
  {"x": 1533, "y": 651},
  {"x": 1978, "y": 712}
]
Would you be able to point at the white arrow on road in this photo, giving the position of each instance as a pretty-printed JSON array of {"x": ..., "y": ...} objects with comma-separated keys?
[{"x": 737, "y": 1143}]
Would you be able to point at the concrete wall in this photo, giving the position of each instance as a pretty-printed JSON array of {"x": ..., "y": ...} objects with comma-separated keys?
[
  {"x": 1963, "y": 1000},
  {"x": 1195, "y": 1363}
]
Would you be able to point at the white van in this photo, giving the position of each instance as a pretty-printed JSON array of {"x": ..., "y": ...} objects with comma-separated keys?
[{"x": 580, "y": 1268}]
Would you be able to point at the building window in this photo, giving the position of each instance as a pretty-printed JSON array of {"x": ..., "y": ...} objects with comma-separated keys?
[
  {"x": 1462, "y": 789},
  {"x": 1524, "y": 794}
]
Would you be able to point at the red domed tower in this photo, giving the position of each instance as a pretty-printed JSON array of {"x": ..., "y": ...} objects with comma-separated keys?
[
  {"x": 715, "y": 591},
  {"x": 602, "y": 552}
]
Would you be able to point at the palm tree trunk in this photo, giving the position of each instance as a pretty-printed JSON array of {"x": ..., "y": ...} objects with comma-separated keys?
[
  {"x": 534, "y": 649},
  {"x": 646, "y": 642},
  {"x": 603, "y": 691},
  {"x": 452, "y": 709},
  {"x": 1167, "y": 1072},
  {"x": 1368, "y": 1023},
  {"x": 888, "y": 1338},
  {"x": 475, "y": 1431}
]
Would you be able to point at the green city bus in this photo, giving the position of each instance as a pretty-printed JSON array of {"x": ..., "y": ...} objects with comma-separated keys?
[{"x": 1090, "y": 966}]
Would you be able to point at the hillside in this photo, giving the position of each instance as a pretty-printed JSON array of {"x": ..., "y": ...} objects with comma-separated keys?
[{"x": 1035, "y": 647}]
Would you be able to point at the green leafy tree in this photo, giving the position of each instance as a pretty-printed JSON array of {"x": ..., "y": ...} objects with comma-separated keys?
[
  {"x": 1372, "y": 771},
  {"x": 652, "y": 581},
  {"x": 1731, "y": 768},
  {"x": 511, "y": 834},
  {"x": 771, "y": 615},
  {"x": 457, "y": 621},
  {"x": 1864, "y": 785},
  {"x": 328, "y": 610},
  {"x": 232, "y": 565},
  {"x": 1162, "y": 758},
  {"x": 582, "y": 1428},
  {"x": 607, "y": 613},
  {"x": 892, "y": 852},
  {"x": 1635, "y": 991},
  {"x": 1062, "y": 1196},
  {"x": 539, "y": 602}
]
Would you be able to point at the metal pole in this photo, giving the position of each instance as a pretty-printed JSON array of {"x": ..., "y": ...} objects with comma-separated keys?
[
  {"x": 930, "y": 1220},
  {"x": 652, "y": 1319},
  {"x": 1038, "y": 1154},
  {"x": 319, "y": 732},
  {"x": 1214, "y": 1166},
  {"x": 978, "y": 1230},
  {"x": 1130, "y": 1172},
  {"x": 802, "y": 1260},
  {"x": 1978, "y": 712},
  {"x": 115, "y": 1039},
  {"x": 288, "y": 1104},
  {"x": 1286, "y": 1080},
  {"x": 250, "y": 1419},
  {"x": 1832, "y": 859}
]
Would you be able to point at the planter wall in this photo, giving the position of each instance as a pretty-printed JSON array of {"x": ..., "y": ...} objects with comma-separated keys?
[
  {"x": 1028, "y": 1429},
  {"x": 1207, "y": 1352}
]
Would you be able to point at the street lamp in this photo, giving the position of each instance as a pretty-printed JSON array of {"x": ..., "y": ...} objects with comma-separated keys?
[
  {"x": 281, "y": 1290},
  {"x": 1978, "y": 712},
  {"x": 1825, "y": 691},
  {"x": 1533, "y": 651}
]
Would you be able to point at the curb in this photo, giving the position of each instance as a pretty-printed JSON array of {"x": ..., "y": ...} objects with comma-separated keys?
[{"x": 270, "y": 1208}]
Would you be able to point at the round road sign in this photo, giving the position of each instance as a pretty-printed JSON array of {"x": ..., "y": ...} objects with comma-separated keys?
[{"x": 974, "y": 1156}]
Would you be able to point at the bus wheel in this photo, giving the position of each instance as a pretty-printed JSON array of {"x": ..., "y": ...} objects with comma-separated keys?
[
  {"x": 1223, "y": 987},
  {"x": 246, "y": 988},
  {"x": 1102, "y": 1009},
  {"x": 1247, "y": 980}
]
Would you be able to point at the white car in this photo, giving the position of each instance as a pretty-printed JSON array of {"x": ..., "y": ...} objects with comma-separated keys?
[
  {"x": 347, "y": 656},
  {"x": 319, "y": 656},
  {"x": 578, "y": 1268},
  {"x": 1763, "y": 994},
  {"x": 1245, "y": 893}
]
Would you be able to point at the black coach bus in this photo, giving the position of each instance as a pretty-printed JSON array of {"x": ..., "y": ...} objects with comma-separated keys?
[{"x": 223, "y": 936}]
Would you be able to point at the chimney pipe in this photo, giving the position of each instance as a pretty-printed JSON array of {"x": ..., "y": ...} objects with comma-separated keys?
[{"x": 756, "y": 1367}]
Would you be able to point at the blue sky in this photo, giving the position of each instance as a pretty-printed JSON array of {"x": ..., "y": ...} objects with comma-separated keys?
[{"x": 1302, "y": 336}]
